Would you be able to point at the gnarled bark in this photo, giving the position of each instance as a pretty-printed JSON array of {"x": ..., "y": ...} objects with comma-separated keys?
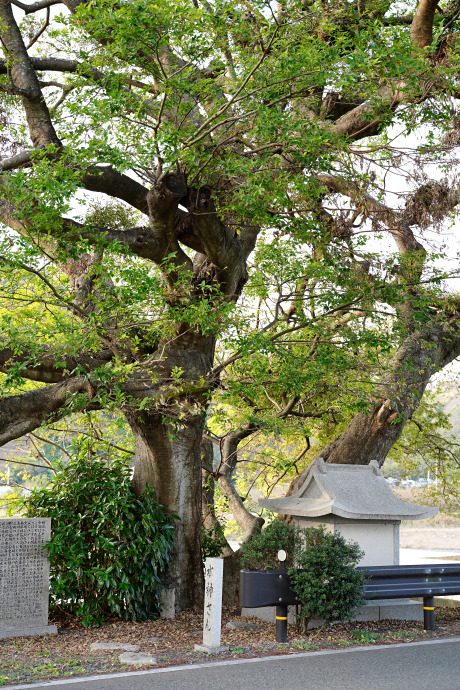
[
  {"x": 169, "y": 459},
  {"x": 24, "y": 81},
  {"x": 422, "y": 24},
  {"x": 247, "y": 522},
  {"x": 20, "y": 414}
]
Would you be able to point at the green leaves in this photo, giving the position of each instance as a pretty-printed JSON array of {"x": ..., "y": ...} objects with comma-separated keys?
[
  {"x": 326, "y": 580},
  {"x": 247, "y": 104},
  {"x": 260, "y": 552},
  {"x": 321, "y": 566},
  {"x": 108, "y": 547}
]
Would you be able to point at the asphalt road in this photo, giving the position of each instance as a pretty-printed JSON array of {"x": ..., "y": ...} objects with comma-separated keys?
[{"x": 426, "y": 666}]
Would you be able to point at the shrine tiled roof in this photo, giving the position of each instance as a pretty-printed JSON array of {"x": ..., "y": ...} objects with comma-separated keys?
[{"x": 350, "y": 491}]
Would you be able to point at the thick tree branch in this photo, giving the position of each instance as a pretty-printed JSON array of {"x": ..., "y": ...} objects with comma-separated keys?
[
  {"x": 21, "y": 414},
  {"x": 35, "y": 6},
  {"x": 139, "y": 240},
  {"x": 218, "y": 243},
  {"x": 98, "y": 178},
  {"x": 219, "y": 246},
  {"x": 397, "y": 395},
  {"x": 163, "y": 200},
  {"x": 395, "y": 222},
  {"x": 47, "y": 367},
  {"x": 422, "y": 24},
  {"x": 248, "y": 522},
  {"x": 366, "y": 119},
  {"x": 334, "y": 104},
  {"x": 210, "y": 521},
  {"x": 95, "y": 76},
  {"x": 107, "y": 180},
  {"x": 19, "y": 160},
  {"x": 24, "y": 79}
]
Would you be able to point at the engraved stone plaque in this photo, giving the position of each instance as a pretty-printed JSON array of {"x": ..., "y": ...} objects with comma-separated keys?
[
  {"x": 24, "y": 577},
  {"x": 213, "y": 576}
]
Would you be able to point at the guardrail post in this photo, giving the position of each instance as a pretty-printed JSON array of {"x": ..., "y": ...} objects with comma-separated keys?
[
  {"x": 281, "y": 623},
  {"x": 428, "y": 613}
]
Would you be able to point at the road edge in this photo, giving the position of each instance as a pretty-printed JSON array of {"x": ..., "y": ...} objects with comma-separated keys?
[{"x": 224, "y": 662}]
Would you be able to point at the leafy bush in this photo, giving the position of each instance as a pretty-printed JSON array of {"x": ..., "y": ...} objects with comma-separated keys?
[
  {"x": 213, "y": 542},
  {"x": 321, "y": 566},
  {"x": 108, "y": 547},
  {"x": 260, "y": 552},
  {"x": 327, "y": 583}
]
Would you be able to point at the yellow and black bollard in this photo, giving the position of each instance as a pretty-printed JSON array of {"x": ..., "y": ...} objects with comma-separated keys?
[
  {"x": 428, "y": 613},
  {"x": 282, "y": 609},
  {"x": 281, "y": 623}
]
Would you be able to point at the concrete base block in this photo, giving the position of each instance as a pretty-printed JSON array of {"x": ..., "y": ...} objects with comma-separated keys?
[
  {"x": 375, "y": 610},
  {"x": 448, "y": 602},
  {"x": 368, "y": 612},
  {"x": 451, "y": 602},
  {"x": 113, "y": 646},
  {"x": 137, "y": 658},
  {"x": 268, "y": 613},
  {"x": 5, "y": 633},
  {"x": 399, "y": 609},
  {"x": 242, "y": 625},
  {"x": 211, "y": 650}
]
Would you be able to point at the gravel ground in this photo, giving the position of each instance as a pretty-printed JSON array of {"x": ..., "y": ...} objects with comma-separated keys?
[{"x": 68, "y": 653}]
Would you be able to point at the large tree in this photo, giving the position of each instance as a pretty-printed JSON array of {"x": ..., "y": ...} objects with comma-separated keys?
[{"x": 225, "y": 136}]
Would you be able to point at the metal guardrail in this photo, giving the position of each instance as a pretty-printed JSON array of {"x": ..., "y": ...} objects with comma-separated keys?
[
  {"x": 260, "y": 588},
  {"x": 413, "y": 581}
]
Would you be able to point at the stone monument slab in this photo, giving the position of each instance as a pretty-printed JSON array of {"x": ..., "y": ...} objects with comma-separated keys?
[
  {"x": 24, "y": 577},
  {"x": 113, "y": 646},
  {"x": 212, "y": 619}
]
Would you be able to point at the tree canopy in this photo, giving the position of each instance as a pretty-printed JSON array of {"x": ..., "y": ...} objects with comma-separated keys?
[{"x": 226, "y": 205}]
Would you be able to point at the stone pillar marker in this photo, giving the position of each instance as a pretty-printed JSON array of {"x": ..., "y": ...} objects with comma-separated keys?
[
  {"x": 168, "y": 602},
  {"x": 24, "y": 577},
  {"x": 212, "y": 617}
]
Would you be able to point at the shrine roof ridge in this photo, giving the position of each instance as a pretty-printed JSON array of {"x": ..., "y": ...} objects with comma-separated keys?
[{"x": 358, "y": 492}]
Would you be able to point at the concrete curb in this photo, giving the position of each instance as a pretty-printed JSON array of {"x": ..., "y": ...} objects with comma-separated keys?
[{"x": 226, "y": 662}]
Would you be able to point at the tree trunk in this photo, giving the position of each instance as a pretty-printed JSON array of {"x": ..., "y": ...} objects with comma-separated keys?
[
  {"x": 371, "y": 436},
  {"x": 169, "y": 459},
  {"x": 231, "y": 577}
]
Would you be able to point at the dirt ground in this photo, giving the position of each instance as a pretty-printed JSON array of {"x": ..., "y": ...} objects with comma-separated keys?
[
  {"x": 430, "y": 538},
  {"x": 172, "y": 642}
]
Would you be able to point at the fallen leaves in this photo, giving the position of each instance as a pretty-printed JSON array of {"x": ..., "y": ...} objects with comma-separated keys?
[{"x": 172, "y": 642}]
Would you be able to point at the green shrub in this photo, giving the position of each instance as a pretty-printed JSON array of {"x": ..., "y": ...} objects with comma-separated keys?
[
  {"x": 321, "y": 566},
  {"x": 260, "y": 552},
  {"x": 326, "y": 580},
  {"x": 213, "y": 542},
  {"x": 108, "y": 547}
]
